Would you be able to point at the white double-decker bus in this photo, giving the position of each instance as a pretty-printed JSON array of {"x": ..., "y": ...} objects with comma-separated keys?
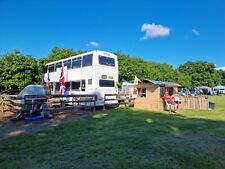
[{"x": 94, "y": 72}]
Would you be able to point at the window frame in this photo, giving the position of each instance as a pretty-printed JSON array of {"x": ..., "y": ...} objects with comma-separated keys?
[
  {"x": 56, "y": 65},
  {"x": 51, "y": 70},
  {"x": 89, "y": 64},
  {"x": 78, "y": 60},
  {"x": 72, "y": 87},
  {"x": 142, "y": 92},
  {"x": 102, "y": 58},
  {"x": 57, "y": 86},
  {"x": 68, "y": 87},
  {"x": 66, "y": 61},
  {"x": 107, "y": 81}
]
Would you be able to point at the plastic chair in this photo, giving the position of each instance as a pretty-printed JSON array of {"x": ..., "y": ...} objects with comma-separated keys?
[{"x": 168, "y": 105}]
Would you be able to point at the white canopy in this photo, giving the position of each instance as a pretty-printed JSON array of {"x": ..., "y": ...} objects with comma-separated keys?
[
  {"x": 219, "y": 87},
  {"x": 32, "y": 90},
  {"x": 203, "y": 88}
]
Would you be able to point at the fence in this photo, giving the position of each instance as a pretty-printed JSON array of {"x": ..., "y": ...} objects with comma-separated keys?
[
  {"x": 118, "y": 99},
  {"x": 81, "y": 100},
  {"x": 37, "y": 102},
  {"x": 9, "y": 103},
  {"x": 200, "y": 103}
]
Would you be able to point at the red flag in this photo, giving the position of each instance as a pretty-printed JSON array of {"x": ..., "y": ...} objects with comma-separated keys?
[{"x": 62, "y": 89}]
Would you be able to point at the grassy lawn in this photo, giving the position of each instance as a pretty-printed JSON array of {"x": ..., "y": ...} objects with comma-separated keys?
[{"x": 125, "y": 138}]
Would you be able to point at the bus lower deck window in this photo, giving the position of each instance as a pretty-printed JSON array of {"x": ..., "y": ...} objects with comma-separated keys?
[
  {"x": 106, "y": 83},
  {"x": 75, "y": 85},
  {"x": 57, "y": 86},
  {"x": 67, "y": 85}
]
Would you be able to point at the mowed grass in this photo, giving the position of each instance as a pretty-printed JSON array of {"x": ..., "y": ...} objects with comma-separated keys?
[{"x": 125, "y": 138}]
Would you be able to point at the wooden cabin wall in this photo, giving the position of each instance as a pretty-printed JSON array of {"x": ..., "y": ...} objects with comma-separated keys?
[{"x": 152, "y": 101}]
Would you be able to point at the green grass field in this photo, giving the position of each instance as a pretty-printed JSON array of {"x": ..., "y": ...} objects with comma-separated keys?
[{"x": 125, "y": 138}]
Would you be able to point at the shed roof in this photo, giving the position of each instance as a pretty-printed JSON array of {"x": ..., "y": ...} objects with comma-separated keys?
[{"x": 161, "y": 83}]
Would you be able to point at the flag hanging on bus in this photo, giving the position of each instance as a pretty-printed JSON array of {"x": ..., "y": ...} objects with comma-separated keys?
[{"x": 62, "y": 89}]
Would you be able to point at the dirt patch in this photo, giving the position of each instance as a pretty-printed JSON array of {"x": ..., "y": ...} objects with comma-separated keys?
[
  {"x": 9, "y": 128},
  {"x": 5, "y": 115}
]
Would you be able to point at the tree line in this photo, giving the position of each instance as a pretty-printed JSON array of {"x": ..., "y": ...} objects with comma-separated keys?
[{"x": 18, "y": 70}]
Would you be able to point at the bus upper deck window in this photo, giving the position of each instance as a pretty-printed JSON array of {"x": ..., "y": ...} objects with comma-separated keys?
[
  {"x": 45, "y": 69},
  {"x": 67, "y": 63},
  {"x": 87, "y": 60},
  {"x": 76, "y": 63},
  {"x": 103, "y": 60},
  {"x": 58, "y": 65},
  {"x": 51, "y": 68}
]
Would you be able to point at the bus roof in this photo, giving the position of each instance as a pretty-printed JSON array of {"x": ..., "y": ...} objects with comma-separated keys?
[{"x": 104, "y": 53}]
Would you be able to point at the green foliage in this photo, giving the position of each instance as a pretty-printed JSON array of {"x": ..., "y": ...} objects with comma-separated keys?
[
  {"x": 131, "y": 66},
  {"x": 201, "y": 73},
  {"x": 17, "y": 71},
  {"x": 222, "y": 76}
]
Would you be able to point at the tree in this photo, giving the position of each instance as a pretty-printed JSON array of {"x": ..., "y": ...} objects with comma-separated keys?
[
  {"x": 201, "y": 73},
  {"x": 132, "y": 66},
  {"x": 17, "y": 71},
  {"x": 56, "y": 54},
  {"x": 222, "y": 76}
]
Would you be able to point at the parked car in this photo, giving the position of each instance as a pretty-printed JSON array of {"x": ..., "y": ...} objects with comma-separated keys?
[
  {"x": 193, "y": 92},
  {"x": 183, "y": 92},
  {"x": 221, "y": 91}
]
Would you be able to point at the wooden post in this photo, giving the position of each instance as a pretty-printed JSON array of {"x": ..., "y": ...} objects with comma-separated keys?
[
  {"x": 2, "y": 99},
  {"x": 73, "y": 101},
  {"x": 94, "y": 103},
  {"x": 125, "y": 102},
  {"x": 104, "y": 103}
]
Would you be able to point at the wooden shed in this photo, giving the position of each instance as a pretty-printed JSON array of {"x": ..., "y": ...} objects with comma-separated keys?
[{"x": 150, "y": 93}]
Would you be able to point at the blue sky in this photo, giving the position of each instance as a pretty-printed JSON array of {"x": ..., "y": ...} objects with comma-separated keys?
[{"x": 163, "y": 31}]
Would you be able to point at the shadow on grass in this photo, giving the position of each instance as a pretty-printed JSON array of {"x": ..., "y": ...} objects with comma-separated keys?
[
  {"x": 9, "y": 128},
  {"x": 124, "y": 138}
]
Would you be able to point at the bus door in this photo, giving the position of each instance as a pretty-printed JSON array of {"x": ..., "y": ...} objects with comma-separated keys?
[{"x": 83, "y": 85}]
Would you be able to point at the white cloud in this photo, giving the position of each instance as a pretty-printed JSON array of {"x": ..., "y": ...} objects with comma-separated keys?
[
  {"x": 220, "y": 68},
  {"x": 93, "y": 44},
  {"x": 152, "y": 31},
  {"x": 195, "y": 32}
]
